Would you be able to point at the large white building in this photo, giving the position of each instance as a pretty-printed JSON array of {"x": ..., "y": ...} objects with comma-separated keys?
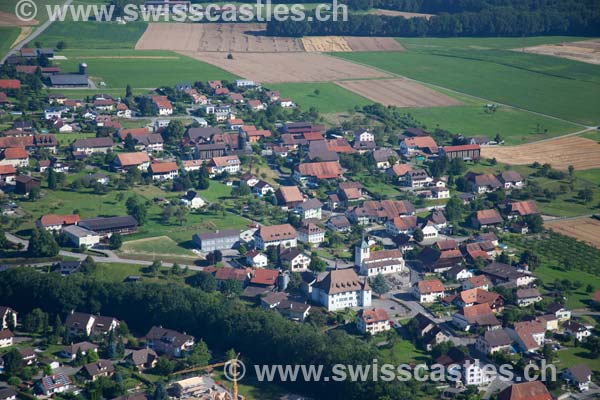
[
  {"x": 377, "y": 262},
  {"x": 340, "y": 289},
  {"x": 275, "y": 235}
]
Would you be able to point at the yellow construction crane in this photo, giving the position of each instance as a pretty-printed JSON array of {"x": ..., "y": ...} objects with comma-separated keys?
[{"x": 234, "y": 364}]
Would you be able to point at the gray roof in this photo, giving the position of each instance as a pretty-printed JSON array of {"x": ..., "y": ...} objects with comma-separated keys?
[
  {"x": 102, "y": 223},
  {"x": 93, "y": 142},
  {"x": 69, "y": 79},
  {"x": 218, "y": 234},
  {"x": 78, "y": 231},
  {"x": 497, "y": 337}
]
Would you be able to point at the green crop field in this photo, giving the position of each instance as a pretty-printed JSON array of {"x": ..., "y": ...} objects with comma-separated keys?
[
  {"x": 331, "y": 98},
  {"x": 93, "y": 35},
  {"x": 140, "y": 69},
  {"x": 8, "y": 35},
  {"x": 558, "y": 87},
  {"x": 514, "y": 126},
  {"x": 429, "y": 44}
]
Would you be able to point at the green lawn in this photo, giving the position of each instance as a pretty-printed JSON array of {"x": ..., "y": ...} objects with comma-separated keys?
[
  {"x": 528, "y": 81},
  {"x": 160, "y": 245},
  {"x": 8, "y": 35},
  {"x": 331, "y": 98},
  {"x": 514, "y": 126},
  {"x": 93, "y": 35},
  {"x": 589, "y": 175},
  {"x": 578, "y": 298},
  {"x": 578, "y": 355},
  {"x": 593, "y": 135},
  {"x": 65, "y": 139},
  {"x": 140, "y": 69},
  {"x": 403, "y": 352},
  {"x": 117, "y": 272}
]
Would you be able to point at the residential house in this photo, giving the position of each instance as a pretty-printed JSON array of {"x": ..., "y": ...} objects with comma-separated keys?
[
  {"x": 294, "y": 260},
  {"x": 6, "y": 338},
  {"x": 477, "y": 282},
  {"x": 527, "y": 297},
  {"x": 349, "y": 192},
  {"x": 576, "y": 330},
  {"x": 510, "y": 179},
  {"x": 192, "y": 200},
  {"x": 99, "y": 369},
  {"x": 70, "y": 352},
  {"x": 486, "y": 219},
  {"x": 317, "y": 170},
  {"x": 472, "y": 297},
  {"x": 579, "y": 375},
  {"x": 429, "y": 291},
  {"x": 372, "y": 263},
  {"x": 217, "y": 240},
  {"x": 480, "y": 315},
  {"x": 149, "y": 143},
  {"x": 264, "y": 278},
  {"x": 339, "y": 223},
  {"x": 310, "y": 209},
  {"x": 340, "y": 289},
  {"x": 458, "y": 273},
  {"x": 162, "y": 171},
  {"x": 219, "y": 165},
  {"x": 500, "y": 273},
  {"x": 418, "y": 178},
  {"x": 373, "y": 211},
  {"x": 418, "y": 144},
  {"x": 521, "y": 209},
  {"x": 7, "y": 393},
  {"x": 385, "y": 158},
  {"x": 142, "y": 359},
  {"x": 93, "y": 145},
  {"x": 50, "y": 385},
  {"x": 373, "y": 321},
  {"x": 169, "y": 342},
  {"x": 256, "y": 259},
  {"x": 528, "y": 335},
  {"x": 162, "y": 105},
  {"x": 55, "y": 222},
  {"x": 404, "y": 225},
  {"x": 83, "y": 324},
  {"x": 262, "y": 188},
  {"x": 311, "y": 233},
  {"x": 526, "y": 391},
  {"x": 497, "y": 340},
  {"x": 482, "y": 183},
  {"x": 8, "y": 174},
  {"x": 363, "y": 135},
  {"x": 559, "y": 311},
  {"x": 283, "y": 235}
]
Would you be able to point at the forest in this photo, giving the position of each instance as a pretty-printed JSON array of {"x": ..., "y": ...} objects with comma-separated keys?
[
  {"x": 456, "y": 18},
  {"x": 261, "y": 337}
]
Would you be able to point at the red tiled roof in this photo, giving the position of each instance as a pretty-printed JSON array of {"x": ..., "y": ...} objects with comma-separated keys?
[
  {"x": 129, "y": 159},
  {"x": 432, "y": 286},
  {"x": 277, "y": 232},
  {"x": 7, "y": 170},
  {"x": 534, "y": 390},
  {"x": 10, "y": 84},
  {"x": 57, "y": 219},
  {"x": 15, "y": 153},
  {"x": 266, "y": 277},
  {"x": 321, "y": 170},
  {"x": 162, "y": 102},
  {"x": 374, "y": 315},
  {"x": 523, "y": 208},
  {"x": 464, "y": 147},
  {"x": 163, "y": 167},
  {"x": 290, "y": 194},
  {"x": 422, "y": 142}
]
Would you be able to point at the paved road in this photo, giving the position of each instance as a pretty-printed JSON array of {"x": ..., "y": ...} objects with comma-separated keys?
[
  {"x": 34, "y": 35},
  {"x": 111, "y": 257}
]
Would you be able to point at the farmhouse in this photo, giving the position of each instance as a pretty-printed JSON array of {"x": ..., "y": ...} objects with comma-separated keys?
[
  {"x": 126, "y": 161},
  {"x": 69, "y": 81},
  {"x": 487, "y": 218},
  {"x": 150, "y": 142},
  {"x": 310, "y": 209},
  {"x": 465, "y": 152},
  {"x": 93, "y": 145},
  {"x": 162, "y": 171},
  {"x": 522, "y": 208},
  {"x": 317, "y": 170},
  {"x": 482, "y": 183},
  {"x": 527, "y": 297},
  {"x": 276, "y": 235},
  {"x": 15, "y": 156},
  {"x": 373, "y": 211},
  {"x": 106, "y": 226},
  {"x": 340, "y": 289},
  {"x": 510, "y": 179},
  {"x": 55, "y": 222},
  {"x": 422, "y": 144},
  {"x": 500, "y": 273}
]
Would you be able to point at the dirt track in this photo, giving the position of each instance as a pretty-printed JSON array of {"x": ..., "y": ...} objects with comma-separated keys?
[
  {"x": 287, "y": 67},
  {"x": 587, "y": 51},
  {"x": 584, "y": 229},
  {"x": 579, "y": 152},
  {"x": 393, "y": 13},
  {"x": 399, "y": 93},
  {"x": 214, "y": 37}
]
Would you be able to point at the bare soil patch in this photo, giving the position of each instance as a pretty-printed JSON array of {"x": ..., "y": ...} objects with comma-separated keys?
[
  {"x": 393, "y": 13},
  {"x": 363, "y": 43},
  {"x": 287, "y": 67},
  {"x": 326, "y": 44},
  {"x": 587, "y": 51},
  {"x": 579, "y": 152},
  {"x": 227, "y": 38},
  {"x": 399, "y": 93},
  {"x": 584, "y": 229},
  {"x": 7, "y": 19}
]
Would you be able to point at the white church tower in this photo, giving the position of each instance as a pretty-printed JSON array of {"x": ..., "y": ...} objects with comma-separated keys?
[{"x": 361, "y": 252}]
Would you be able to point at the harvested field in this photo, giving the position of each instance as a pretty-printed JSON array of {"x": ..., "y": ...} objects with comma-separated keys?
[
  {"x": 587, "y": 51},
  {"x": 227, "y": 38},
  {"x": 350, "y": 43},
  {"x": 584, "y": 229},
  {"x": 579, "y": 152},
  {"x": 325, "y": 44},
  {"x": 399, "y": 93},
  {"x": 287, "y": 67},
  {"x": 393, "y": 13},
  {"x": 7, "y": 19}
]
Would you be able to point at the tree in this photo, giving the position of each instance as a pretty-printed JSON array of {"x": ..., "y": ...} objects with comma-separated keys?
[
  {"x": 535, "y": 223},
  {"x": 231, "y": 288},
  {"x": 418, "y": 235},
  {"x": 181, "y": 215},
  {"x": 155, "y": 267},
  {"x": 317, "y": 264},
  {"x": 571, "y": 171},
  {"x": 13, "y": 362},
  {"x": 200, "y": 354},
  {"x": 129, "y": 143},
  {"x": 174, "y": 132},
  {"x": 35, "y": 321},
  {"x": 164, "y": 366},
  {"x": 88, "y": 266},
  {"x": 51, "y": 178},
  {"x": 586, "y": 194},
  {"x": 454, "y": 209},
  {"x": 203, "y": 281},
  {"x": 203, "y": 179},
  {"x": 42, "y": 244},
  {"x": 128, "y": 91},
  {"x": 61, "y": 45},
  {"x": 379, "y": 284},
  {"x": 34, "y": 193},
  {"x": 116, "y": 241},
  {"x": 136, "y": 210}
]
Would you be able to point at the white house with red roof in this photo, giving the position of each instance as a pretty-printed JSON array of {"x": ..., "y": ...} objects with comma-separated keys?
[
  {"x": 373, "y": 321},
  {"x": 162, "y": 105}
]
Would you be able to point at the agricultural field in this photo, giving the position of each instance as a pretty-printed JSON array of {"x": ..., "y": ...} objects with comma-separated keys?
[
  {"x": 584, "y": 229},
  {"x": 527, "y": 81},
  {"x": 349, "y": 44},
  {"x": 399, "y": 93},
  {"x": 8, "y": 35},
  {"x": 587, "y": 51},
  {"x": 93, "y": 35},
  {"x": 393, "y": 13},
  {"x": 330, "y": 97},
  {"x": 118, "y": 68},
  {"x": 579, "y": 152},
  {"x": 287, "y": 67}
]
